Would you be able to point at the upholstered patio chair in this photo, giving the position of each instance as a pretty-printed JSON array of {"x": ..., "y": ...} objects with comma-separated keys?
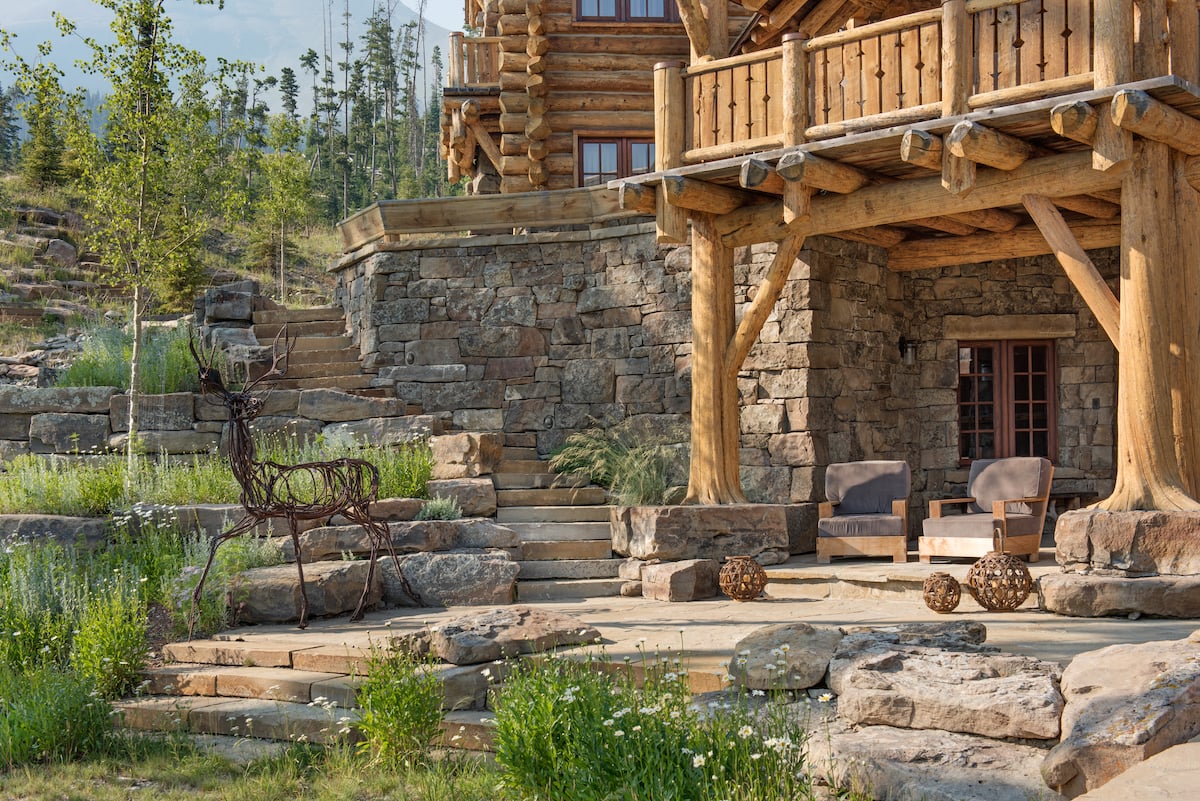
[
  {"x": 1005, "y": 510},
  {"x": 866, "y": 513}
]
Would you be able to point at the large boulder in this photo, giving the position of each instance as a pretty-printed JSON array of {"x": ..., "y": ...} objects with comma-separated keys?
[
  {"x": 476, "y": 496},
  {"x": 451, "y": 579},
  {"x": 411, "y": 536},
  {"x": 80, "y": 400},
  {"x": 701, "y": 532},
  {"x": 90, "y": 532},
  {"x": 388, "y": 510},
  {"x": 1081, "y": 595},
  {"x": 63, "y": 432},
  {"x": 1124, "y": 703},
  {"x": 210, "y": 519},
  {"x": 172, "y": 412},
  {"x": 499, "y": 634},
  {"x": 383, "y": 430},
  {"x": 687, "y": 580},
  {"x": 787, "y": 656},
  {"x": 333, "y": 405},
  {"x": 1129, "y": 543},
  {"x": 965, "y": 688},
  {"x": 272, "y": 594}
]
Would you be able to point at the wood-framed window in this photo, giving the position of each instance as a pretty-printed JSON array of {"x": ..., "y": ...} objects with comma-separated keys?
[
  {"x": 1007, "y": 399},
  {"x": 626, "y": 11},
  {"x": 603, "y": 159}
]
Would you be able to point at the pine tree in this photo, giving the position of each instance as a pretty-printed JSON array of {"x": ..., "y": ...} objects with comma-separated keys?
[
  {"x": 289, "y": 91},
  {"x": 9, "y": 137},
  {"x": 42, "y": 154}
]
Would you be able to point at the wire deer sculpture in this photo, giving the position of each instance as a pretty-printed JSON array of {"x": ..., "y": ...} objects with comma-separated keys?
[{"x": 307, "y": 491}]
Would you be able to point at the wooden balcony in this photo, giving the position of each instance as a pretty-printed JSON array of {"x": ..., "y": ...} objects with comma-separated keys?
[
  {"x": 474, "y": 62},
  {"x": 917, "y": 67}
]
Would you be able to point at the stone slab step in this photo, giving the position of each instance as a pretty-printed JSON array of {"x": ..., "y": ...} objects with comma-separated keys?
[
  {"x": 342, "y": 382},
  {"x": 559, "y": 590},
  {"x": 560, "y": 531},
  {"x": 268, "y": 331},
  {"x": 312, "y": 368},
  {"x": 518, "y": 452},
  {"x": 552, "y": 514},
  {"x": 504, "y": 481},
  {"x": 326, "y": 356},
  {"x": 566, "y": 549},
  {"x": 243, "y": 717},
  {"x": 569, "y": 569},
  {"x": 580, "y": 496},
  {"x": 316, "y": 314},
  {"x": 319, "y": 343},
  {"x": 260, "y": 652},
  {"x": 526, "y": 466}
]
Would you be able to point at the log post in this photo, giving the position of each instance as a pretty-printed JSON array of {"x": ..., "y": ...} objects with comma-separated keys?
[
  {"x": 455, "y": 77},
  {"x": 1112, "y": 37},
  {"x": 795, "y": 89},
  {"x": 714, "y": 477},
  {"x": 669, "y": 114},
  {"x": 956, "y": 58}
]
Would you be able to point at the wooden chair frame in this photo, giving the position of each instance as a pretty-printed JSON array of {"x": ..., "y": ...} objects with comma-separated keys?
[{"x": 893, "y": 546}]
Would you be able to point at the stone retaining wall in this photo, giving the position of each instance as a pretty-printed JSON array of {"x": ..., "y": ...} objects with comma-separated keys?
[
  {"x": 538, "y": 335},
  {"x": 76, "y": 422}
]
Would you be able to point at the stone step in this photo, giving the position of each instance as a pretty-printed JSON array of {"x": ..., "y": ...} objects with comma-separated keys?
[
  {"x": 569, "y": 569},
  {"x": 242, "y": 717},
  {"x": 313, "y": 315},
  {"x": 552, "y": 514},
  {"x": 505, "y": 481},
  {"x": 518, "y": 452},
  {"x": 526, "y": 466},
  {"x": 326, "y": 356},
  {"x": 546, "y": 550},
  {"x": 558, "y": 590},
  {"x": 345, "y": 383},
  {"x": 268, "y": 331},
  {"x": 581, "y": 496},
  {"x": 561, "y": 531},
  {"x": 320, "y": 343},
  {"x": 306, "y": 368}
]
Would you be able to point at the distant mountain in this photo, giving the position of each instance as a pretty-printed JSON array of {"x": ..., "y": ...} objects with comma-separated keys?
[{"x": 272, "y": 33}]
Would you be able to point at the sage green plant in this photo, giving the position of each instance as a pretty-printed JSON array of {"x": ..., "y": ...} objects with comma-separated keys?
[{"x": 440, "y": 507}]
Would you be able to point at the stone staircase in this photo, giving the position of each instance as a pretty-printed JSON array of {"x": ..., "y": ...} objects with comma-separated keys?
[
  {"x": 295, "y": 687},
  {"x": 563, "y": 526},
  {"x": 323, "y": 356}
]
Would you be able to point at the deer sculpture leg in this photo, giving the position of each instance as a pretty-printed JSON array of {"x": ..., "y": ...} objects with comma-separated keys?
[
  {"x": 240, "y": 527},
  {"x": 294, "y": 530},
  {"x": 378, "y": 534}
]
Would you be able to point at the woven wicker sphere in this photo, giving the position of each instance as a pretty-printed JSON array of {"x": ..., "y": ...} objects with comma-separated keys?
[
  {"x": 1000, "y": 582},
  {"x": 742, "y": 579},
  {"x": 942, "y": 592}
]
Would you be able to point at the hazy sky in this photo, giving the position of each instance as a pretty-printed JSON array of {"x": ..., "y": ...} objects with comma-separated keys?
[{"x": 270, "y": 32}]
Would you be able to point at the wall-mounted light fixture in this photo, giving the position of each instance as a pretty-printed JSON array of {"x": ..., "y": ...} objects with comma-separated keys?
[{"x": 908, "y": 351}]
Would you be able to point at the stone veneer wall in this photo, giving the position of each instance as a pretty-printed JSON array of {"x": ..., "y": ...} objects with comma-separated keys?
[{"x": 537, "y": 335}]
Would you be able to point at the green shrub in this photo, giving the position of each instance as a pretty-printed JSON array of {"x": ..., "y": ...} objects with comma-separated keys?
[
  {"x": 637, "y": 466},
  {"x": 34, "y": 484},
  {"x": 167, "y": 364},
  {"x": 401, "y": 703},
  {"x": 46, "y": 714},
  {"x": 109, "y": 647},
  {"x": 565, "y": 729},
  {"x": 440, "y": 508}
]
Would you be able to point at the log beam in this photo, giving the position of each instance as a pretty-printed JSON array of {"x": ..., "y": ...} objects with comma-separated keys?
[
  {"x": 760, "y": 308},
  {"x": 1091, "y": 206},
  {"x": 1022, "y": 242},
  {"x": 691, "y": 14},
  {"x": 922, "y": 149},
  {"x": 760, "y": 177},
  {"x": 984, "y": 145},
  {"x": 637, "y": 197},
  {"x": 694, "y": 195},
  {"x": 1076, "y": 264},
  {"x": 1076, "y": 121},
  {"x": 1139, "y": 113},
  {"x": 821, "y": 173},
  {"x": 885, "y": 204}
]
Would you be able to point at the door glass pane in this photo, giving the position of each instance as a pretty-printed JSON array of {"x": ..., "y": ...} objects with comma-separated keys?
[
  {"x": 987, "y": 446},
  {"x": 1041, "y": 416},
  {"x": 1021, "y": 387},
  {"x": 1041, "y": 444},
  {"x": 1040, "y": 383},
  {"x": 641, "y": 157}
]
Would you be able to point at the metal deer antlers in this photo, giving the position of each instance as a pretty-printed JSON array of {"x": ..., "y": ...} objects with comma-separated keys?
[{"x": 308, "y": 491}]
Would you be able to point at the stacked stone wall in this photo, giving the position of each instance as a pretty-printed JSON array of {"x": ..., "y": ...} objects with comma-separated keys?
[{"x": 539, "y": 335}]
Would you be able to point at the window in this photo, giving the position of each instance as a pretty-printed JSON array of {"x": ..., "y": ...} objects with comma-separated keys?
[
  {"x": 603, "y": 160},
  {"x": 627, "y": 11},
  {"x": 1006, "y": 399}
]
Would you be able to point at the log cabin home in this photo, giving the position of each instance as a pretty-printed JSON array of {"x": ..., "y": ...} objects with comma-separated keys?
[{"x": 919, "y": 230}]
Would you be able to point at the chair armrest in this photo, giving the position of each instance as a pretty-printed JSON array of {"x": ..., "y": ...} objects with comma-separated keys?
[
  {"x": 935, "y": 507},
  {"x": 900, "y": 508},
  {"x": 1000, "y": 508},
  {"x": 825, "y": 510}
]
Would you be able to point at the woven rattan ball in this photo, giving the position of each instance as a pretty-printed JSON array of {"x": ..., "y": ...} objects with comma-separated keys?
[
  {"x": 942, "y": 592},
  {"x": 1000, "y": 582},
  {"x": 742, "y": 579}
]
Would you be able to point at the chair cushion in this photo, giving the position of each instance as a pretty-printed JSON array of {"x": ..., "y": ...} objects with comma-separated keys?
[
  {"x": 1014, "y": 477},
  {"x": 968, "y": 525},
  {"x": 861, "y": 526},
  {"x": 866, "y": 488}
]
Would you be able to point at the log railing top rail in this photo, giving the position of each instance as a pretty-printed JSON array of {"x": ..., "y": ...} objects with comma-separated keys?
[{"x": 392, "y": 220}]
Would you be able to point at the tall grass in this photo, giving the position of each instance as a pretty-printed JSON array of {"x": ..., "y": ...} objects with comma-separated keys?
[
  {"x": 636, "y": 465},
  {"x": 401, "y": 700},
  {"x": 46, "y": 714},
  {"x": 167, "y": 364}
]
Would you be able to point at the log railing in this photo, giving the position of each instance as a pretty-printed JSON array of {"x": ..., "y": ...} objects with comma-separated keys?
[
  {"x": 941, "y": 62},
  {"x": 474, "y": 61}
]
